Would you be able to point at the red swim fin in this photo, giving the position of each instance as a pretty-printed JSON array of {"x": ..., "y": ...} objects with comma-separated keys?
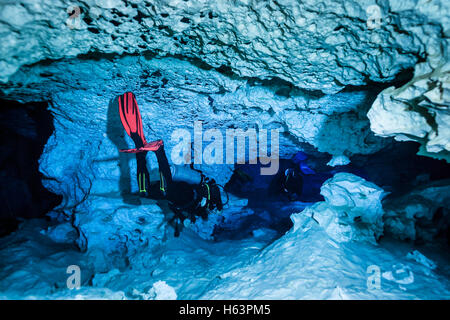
[
  {"x": 131, "y": 118},
  {"x": 151, "y": 146},
  {"x": 135, "y": 150}
]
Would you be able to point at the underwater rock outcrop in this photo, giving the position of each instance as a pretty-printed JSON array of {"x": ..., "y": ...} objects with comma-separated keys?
[
  {"x": 352, "y": 209},
  {"x": 419, "y": 214},
  {"x": 418, "y": 111}
]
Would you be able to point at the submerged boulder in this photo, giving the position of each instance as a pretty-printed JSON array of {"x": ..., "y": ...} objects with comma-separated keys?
[{"x": 352, "y": 208}]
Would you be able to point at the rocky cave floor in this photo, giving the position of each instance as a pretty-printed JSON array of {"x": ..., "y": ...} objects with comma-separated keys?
[{"x": 305, "y": 263}]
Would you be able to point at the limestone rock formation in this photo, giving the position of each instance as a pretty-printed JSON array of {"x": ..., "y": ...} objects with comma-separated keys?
[{"x": 352, "y": 209}]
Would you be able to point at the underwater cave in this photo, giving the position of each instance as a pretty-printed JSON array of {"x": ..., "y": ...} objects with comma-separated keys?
[
  {"x": 180, "y": 151},
  {"x": 25, "y": 129}
]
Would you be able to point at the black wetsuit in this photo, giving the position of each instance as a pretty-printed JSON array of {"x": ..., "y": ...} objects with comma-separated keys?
[
  {"x": 143, "y": 176},
  {"x": 184, "y": 198}
]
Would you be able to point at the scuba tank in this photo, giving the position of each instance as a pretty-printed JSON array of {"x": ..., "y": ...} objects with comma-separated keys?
[{"x": 186, "y": 174}]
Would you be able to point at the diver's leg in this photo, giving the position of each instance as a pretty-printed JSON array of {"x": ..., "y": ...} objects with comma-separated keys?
[
  {"x": 143, "y": 176},
  {"x": 178, "y": 226},
  {"x": 178, "y": 193},
  {"x": 177, "y": 219},
  {"x": 164, "y": 170}
]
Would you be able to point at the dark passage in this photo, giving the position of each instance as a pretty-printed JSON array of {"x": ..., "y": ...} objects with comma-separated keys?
[
  {"x": 24, "y": 131},
  {"x": 397, "y": 169}
]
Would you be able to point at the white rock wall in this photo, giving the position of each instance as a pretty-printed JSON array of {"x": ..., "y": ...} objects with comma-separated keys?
[{"x": 418, "y": 111}]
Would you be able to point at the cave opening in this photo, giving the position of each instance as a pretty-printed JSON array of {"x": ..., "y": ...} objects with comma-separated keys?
[
  {"x": 397, "y": 168},
  {"x": 24, "y": 131}
]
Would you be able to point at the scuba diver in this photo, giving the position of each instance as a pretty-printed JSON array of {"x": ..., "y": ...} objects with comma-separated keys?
[
  {"x": 189, "y": 192},
  {"x": 288, "y": 183},
  {"x": 294, "y": 181}
]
